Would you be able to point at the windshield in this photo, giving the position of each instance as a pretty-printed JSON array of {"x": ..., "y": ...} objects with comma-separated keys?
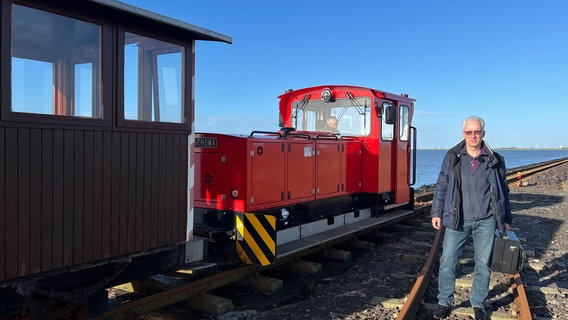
[{"x": 348, "y": 117}]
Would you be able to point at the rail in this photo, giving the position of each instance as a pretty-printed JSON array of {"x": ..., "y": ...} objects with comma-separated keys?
[
  {"x": 178, "y": 294},
  {"x": 416, "y": 295}
]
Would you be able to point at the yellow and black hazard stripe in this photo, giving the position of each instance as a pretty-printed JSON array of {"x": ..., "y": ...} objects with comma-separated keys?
[{"x": 256, "y": 238}]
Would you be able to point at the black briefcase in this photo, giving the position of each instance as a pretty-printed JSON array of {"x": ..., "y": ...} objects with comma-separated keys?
[{"x": 508, "y": 255}]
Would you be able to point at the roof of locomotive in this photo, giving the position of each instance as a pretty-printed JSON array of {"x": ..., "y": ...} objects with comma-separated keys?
[
  {"x": 195, "y": 32},
  {"x": 344, "y": 88}
]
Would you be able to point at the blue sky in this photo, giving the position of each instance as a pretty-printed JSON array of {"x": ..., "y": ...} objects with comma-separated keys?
[{"x": 506, "y": 61}]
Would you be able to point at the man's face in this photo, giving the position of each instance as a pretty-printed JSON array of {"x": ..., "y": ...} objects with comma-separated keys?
[
  {"x": 473, "y": 134},
  {"x": 332, "y": 123}
]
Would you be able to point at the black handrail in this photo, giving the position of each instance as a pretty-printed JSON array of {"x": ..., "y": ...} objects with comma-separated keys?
[
  {"x": 414, "y": 138},
  {"x": 327, "y": 137},
  {"x": 287, "y": 130},
  {"x": 300, "y": 135},
  {"x": 265, "y": 132}
]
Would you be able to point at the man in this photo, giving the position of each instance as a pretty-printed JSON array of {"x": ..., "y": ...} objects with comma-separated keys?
[
  {"x": 331, "y": 125},
  {"x": 470, "y": 195}
]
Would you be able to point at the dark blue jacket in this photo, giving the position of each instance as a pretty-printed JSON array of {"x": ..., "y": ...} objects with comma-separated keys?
[{"x": 447, "y": 202}]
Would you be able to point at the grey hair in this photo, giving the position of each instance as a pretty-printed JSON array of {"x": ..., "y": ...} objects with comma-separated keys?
[{"x": 474, "y": 118}]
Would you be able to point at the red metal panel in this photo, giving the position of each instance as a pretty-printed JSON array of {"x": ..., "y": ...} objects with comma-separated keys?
[
  {"x": 402, "y": 155},
  {"x": 267, "y": 174},
  {"x": 386, "y": 169},
  {"x": 209, "y": 179},
  {"x": 351, "y": 166},
  {"x": 300, "y": 170},
  {"x": 328, "y": 161},
  {"x": 370, "y": 161},
  {"x": 232, "y": 153}
]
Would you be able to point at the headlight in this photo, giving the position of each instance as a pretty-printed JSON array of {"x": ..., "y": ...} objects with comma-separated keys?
[
  {"x": 327, "y": 95},
  {"x": 285, "y": 213}
]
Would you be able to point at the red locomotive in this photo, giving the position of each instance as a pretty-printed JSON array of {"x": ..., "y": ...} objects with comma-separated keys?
[{"x": 343, "y": 155}]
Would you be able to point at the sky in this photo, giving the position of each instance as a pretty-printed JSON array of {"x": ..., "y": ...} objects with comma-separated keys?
[{"x": 503, "y": 60}]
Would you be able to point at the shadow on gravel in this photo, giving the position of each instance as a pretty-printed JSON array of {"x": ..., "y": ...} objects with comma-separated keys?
[
  {"x": 554, "y": 275},
  {"x": 526, "y": 201},
  {"x": 539, "y": 224}
]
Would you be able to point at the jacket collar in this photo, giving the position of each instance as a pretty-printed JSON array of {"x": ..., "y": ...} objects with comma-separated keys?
[{"x": 459, "y": 149}]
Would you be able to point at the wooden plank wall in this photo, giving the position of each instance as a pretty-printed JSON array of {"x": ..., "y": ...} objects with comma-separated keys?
[{"x": 69, "y": 197}]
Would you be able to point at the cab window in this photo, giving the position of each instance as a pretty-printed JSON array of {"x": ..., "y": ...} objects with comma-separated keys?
[
  {"x": 387, "y": 130},
  {"x": 353, "y": 117},
  {"x": 353, "y": 121},
  {"x": 404, "y": 123}
]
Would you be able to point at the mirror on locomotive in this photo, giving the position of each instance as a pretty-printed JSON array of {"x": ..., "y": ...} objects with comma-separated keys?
[
  {"x": 387, "y": 121},
  {"x": 390, "y": 114}
]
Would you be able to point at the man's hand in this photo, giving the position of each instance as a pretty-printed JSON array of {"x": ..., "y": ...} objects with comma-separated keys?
[{"x": 436, "y": 222}]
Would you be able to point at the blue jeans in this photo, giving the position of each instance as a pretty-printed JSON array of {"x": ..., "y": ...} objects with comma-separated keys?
[{"x": 483, "y": 233}]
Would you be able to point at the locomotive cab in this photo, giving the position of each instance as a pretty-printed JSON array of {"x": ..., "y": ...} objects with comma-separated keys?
[
  {"x": 380, "y": 121},
  {"x": 276, "y": 192}
]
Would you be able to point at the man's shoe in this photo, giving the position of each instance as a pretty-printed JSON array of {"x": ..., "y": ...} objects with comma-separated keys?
[
  {"x": 480, "y": 313},
  {"x": 441, "y": 312}
]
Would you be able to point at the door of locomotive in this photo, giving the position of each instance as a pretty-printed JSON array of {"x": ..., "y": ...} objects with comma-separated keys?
[{"x": 402, "y": 154}]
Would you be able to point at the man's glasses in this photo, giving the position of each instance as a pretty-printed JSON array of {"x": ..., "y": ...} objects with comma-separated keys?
[{"x": 469, "y": 133}]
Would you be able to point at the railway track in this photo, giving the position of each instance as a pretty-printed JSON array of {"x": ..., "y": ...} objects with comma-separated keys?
[
  {"x": 189, "y": 285},
  {"x": 415, "y": 298},
  {"x": 522, "y": 312}
]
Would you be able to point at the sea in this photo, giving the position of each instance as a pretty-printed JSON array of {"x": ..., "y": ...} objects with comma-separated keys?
[{"x": 428, "y": 162}]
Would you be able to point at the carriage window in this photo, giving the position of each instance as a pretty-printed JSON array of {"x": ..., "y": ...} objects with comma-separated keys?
[
  {"x": 404, "y": 123},
  {"x": 152, "y": 80},
  {"x": 55, "y": 64},
  {"x": 386, "y": 129}
]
